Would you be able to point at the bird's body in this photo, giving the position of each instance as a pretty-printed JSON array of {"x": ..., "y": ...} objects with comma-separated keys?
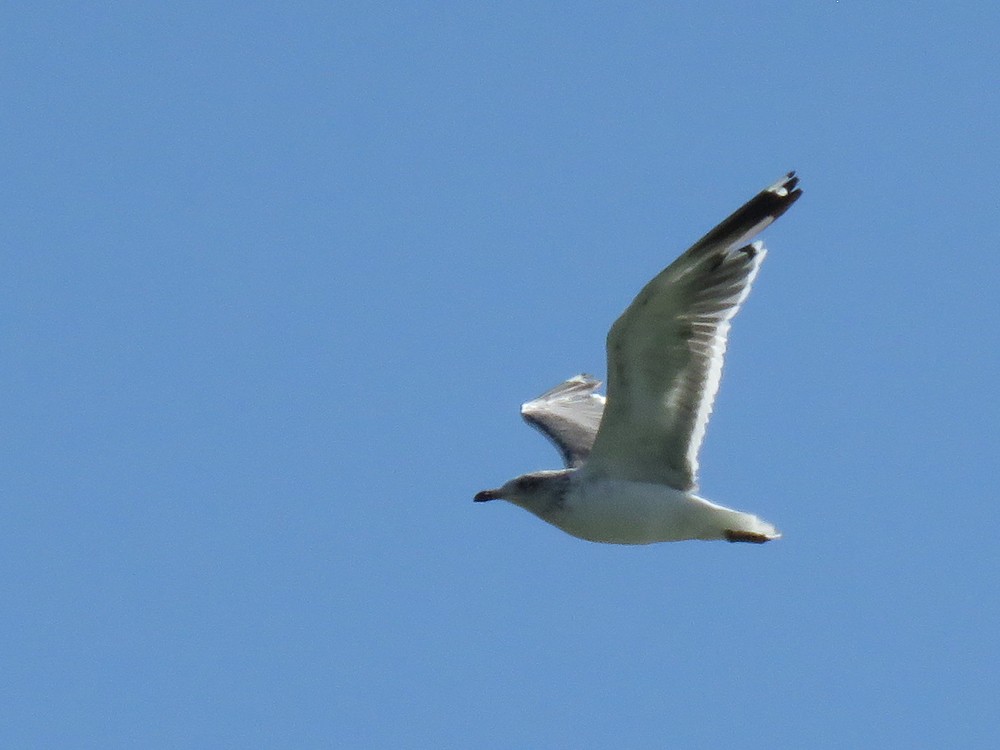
[
  {"x": 623, "y": 512},
  {"x": 619, "y": 511},
  {"x": 632, "y": 459}
]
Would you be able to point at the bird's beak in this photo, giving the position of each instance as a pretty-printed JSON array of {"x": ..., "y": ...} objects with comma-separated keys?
[{"x": 485, "y": 495}]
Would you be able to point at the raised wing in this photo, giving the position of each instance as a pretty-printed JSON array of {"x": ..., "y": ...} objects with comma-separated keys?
[
  {"x": 665, "y": 352},
  {"x": 569, "y": 416}
]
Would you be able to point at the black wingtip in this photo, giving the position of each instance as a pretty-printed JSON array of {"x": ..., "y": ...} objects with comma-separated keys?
[
  {"x": 781, "y": 195},
  {"x": 792, "y": 182},
  {"x": 752, "y": 217}
]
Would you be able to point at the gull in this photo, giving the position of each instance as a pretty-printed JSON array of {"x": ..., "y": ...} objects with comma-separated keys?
[{"x": 632, "y": 458}]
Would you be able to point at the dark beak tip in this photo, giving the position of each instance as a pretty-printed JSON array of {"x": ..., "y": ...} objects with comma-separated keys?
[{"x": 482, "y": 497}]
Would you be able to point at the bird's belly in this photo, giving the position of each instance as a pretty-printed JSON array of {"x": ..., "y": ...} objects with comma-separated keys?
[{"x": 622, "y": 512}]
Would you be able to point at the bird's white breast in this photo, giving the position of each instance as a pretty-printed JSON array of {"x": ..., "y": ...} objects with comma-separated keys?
[{"x": 624, "y": 512}]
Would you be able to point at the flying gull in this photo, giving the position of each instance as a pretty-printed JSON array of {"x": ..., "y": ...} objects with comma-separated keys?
[{"x": 632, "y": 459}]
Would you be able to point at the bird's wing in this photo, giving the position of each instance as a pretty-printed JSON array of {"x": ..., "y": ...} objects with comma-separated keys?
[
  {"x": 665, "y": 352},
  {"x": 568, "y": 415}
]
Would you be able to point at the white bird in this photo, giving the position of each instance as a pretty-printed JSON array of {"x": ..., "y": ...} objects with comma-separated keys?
[{"x": 632, "y": 459}]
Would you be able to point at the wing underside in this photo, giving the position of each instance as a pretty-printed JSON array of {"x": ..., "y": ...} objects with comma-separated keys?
[
  {"x": 569, "y": 416},
  {"x": 665, "y": 352}
]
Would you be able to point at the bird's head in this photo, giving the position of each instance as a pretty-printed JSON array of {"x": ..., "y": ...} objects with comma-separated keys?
[{"x": 539, "y": 491}]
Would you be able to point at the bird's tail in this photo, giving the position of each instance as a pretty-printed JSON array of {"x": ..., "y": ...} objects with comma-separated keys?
[{"x": 736, "y": 526}]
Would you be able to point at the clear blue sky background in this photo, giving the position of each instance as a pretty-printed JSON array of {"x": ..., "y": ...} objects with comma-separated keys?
[{"x": 276, "y": 277}]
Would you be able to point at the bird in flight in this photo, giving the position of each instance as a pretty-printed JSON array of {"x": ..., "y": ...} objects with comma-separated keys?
[{"x": 632, "y": 458}]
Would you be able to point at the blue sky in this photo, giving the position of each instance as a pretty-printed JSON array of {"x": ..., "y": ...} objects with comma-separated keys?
[{"x": 276, "y": 278}]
